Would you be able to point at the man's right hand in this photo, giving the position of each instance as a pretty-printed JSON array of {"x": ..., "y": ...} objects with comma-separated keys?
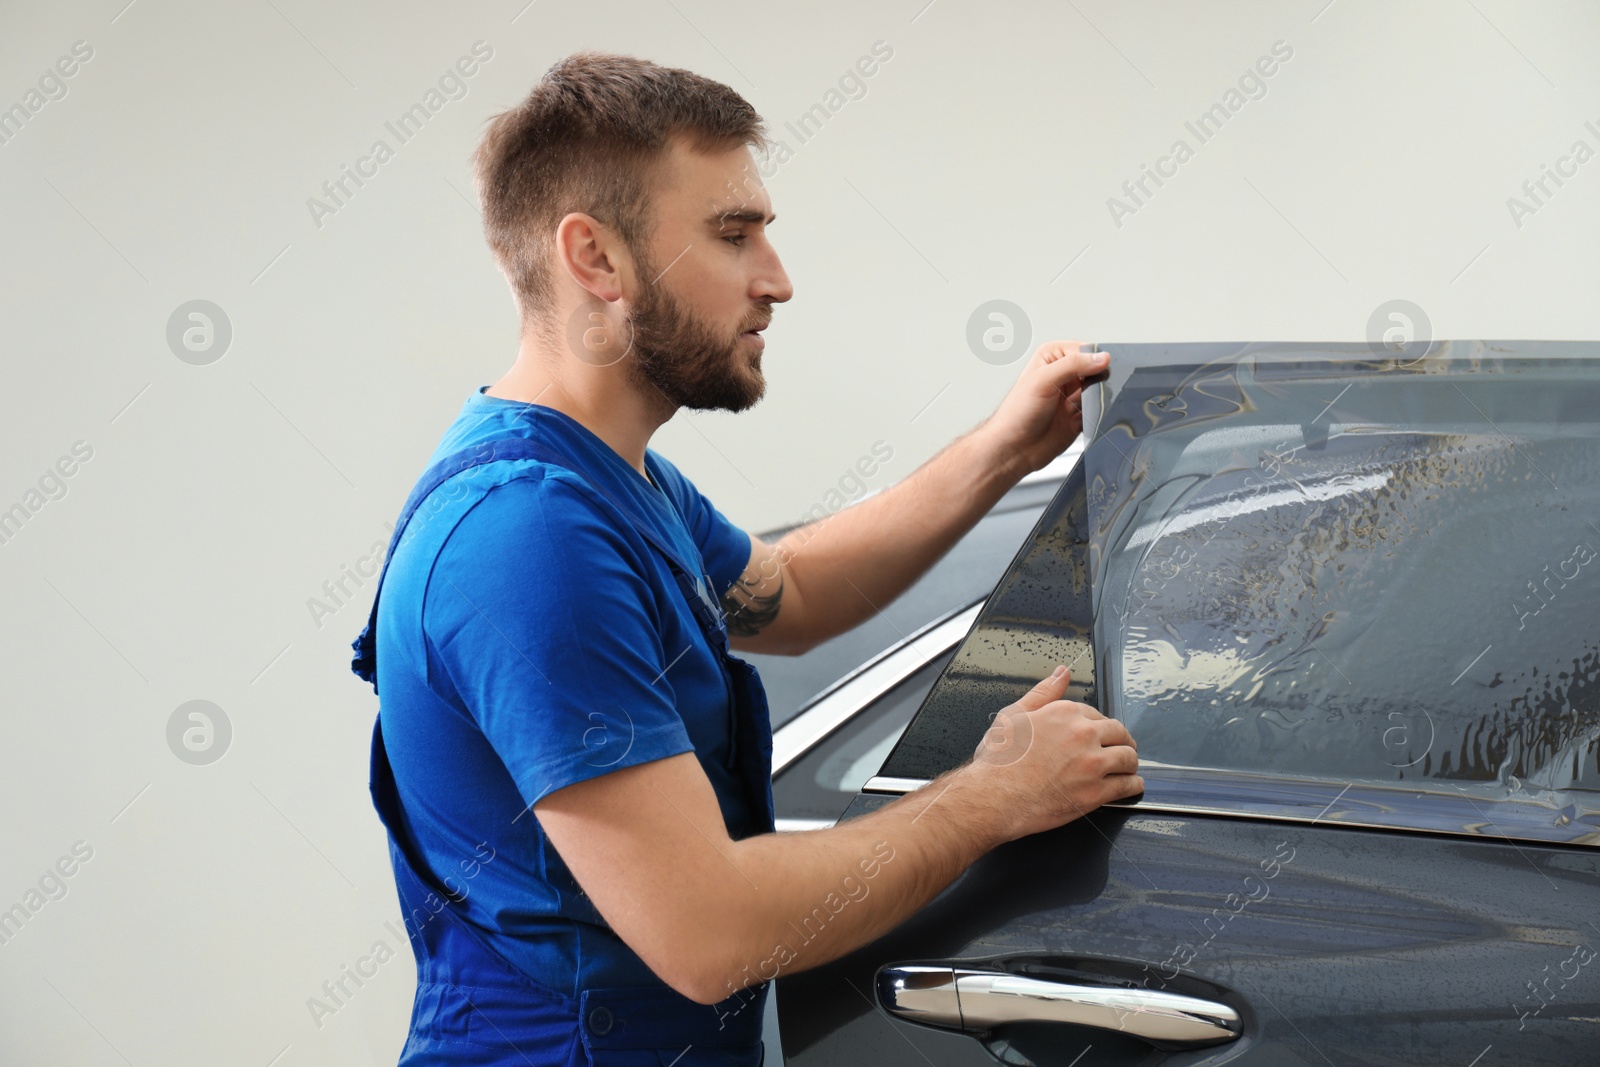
[{"x": 1045, "y": 761}]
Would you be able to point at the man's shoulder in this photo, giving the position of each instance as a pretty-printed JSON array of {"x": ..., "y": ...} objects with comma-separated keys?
[
  {"x": 490, "y": 514},
  {"x": 676, "y": 484},
  {"x": 531, "y": 498},
  {"x": 540, "y": 541}
]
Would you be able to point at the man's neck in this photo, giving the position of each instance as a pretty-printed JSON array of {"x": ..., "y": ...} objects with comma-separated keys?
[{"x": 599, "y": 400}]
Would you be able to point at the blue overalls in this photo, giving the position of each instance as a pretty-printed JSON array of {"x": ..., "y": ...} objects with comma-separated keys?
[{"x": 473, "y": 1005}]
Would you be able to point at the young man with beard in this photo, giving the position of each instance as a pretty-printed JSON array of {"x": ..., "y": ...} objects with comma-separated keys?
[{"x": 573, "y": 767}]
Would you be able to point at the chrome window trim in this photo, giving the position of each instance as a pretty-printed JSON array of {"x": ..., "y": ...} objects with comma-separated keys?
[
  {"x": 1059, "y": 467},
  {"x": 881, "y": 784},
  {"x": 841, "y": 701},
  {"x": 789, "y": 826},
  {"x": 1362, "y": 796},
  {"x": 1056, "y": 469}
]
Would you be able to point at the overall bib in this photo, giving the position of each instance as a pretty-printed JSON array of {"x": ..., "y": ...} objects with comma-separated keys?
[{"x": 473, "y": 1005}]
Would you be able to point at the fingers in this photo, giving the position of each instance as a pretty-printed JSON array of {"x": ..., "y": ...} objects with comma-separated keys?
[
  {"x": 1070, "y": 359},
  {"x": 1120, "y": 759},
  {"x": 1123, "y": 786},
  {"x": 1113, "y": 732},
  {"x": 1088, "y": 711},
  {"x": 1046, "y": 691},
  {"x": 1049, "y": 690}
]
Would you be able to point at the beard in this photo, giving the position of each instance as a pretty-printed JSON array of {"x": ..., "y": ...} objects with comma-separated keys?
[{"x": 692, "y": 364}]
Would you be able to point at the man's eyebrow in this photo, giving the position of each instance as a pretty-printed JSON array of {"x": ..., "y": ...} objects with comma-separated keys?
[{"x": 722, "y": 218}]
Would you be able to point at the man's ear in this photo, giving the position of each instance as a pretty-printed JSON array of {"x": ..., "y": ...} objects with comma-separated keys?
[{"x": 592, "y": 256}]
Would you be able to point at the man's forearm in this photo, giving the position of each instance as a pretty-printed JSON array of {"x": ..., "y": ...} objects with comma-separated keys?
[
  {"x": 815, "y": 885},
  {"x": 851, "y": 564}
]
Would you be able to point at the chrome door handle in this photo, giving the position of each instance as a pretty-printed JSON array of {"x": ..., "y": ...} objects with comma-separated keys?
[{"x": 962, "y": 999}]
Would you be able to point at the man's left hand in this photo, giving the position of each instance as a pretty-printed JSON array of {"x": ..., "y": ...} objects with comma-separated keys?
[{"x": 1043, "y": 412}]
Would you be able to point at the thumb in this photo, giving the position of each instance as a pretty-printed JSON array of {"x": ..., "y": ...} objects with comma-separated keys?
[{"x": 1047, "y": 690}]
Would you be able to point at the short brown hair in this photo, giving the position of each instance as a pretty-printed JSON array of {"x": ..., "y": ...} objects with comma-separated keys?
[{"x": 591, "y": 137}]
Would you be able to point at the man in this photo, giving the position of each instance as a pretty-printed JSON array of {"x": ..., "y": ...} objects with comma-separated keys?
[{"x": 574, "y": 770}]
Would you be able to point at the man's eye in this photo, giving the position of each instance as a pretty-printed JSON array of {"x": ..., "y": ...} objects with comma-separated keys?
[{"x": 735, "y": 237}]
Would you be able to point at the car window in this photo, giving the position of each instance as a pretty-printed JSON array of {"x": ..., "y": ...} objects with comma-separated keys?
[
  {"x": 965, "y": 574},
  {"x": 1364, "y": 590}
]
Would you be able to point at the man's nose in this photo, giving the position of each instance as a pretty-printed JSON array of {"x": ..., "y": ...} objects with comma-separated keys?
[{"x": 772, "y": 283}]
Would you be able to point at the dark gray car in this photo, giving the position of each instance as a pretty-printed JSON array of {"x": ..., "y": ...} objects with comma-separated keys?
[{"x": 1348, "y": 602}]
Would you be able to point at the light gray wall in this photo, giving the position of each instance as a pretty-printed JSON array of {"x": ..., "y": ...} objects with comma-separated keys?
[{"x": 978, "y": 165}]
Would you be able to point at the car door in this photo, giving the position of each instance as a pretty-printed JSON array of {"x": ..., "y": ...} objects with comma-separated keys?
[{"x": 1348, "y": 606}]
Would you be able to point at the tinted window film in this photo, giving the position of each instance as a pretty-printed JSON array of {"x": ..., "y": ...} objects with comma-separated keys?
[
  {"x": 1038, "y": 615},
  {"x": 1374, "y": 572},
  {"x": 1329, "y": 587}
]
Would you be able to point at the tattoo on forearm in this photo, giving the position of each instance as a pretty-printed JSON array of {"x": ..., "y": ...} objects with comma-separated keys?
[{"x": 749, "y": 612}]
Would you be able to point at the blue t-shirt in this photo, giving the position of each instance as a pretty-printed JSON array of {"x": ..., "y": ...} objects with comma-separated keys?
[{"x": 528, "y": 638}]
